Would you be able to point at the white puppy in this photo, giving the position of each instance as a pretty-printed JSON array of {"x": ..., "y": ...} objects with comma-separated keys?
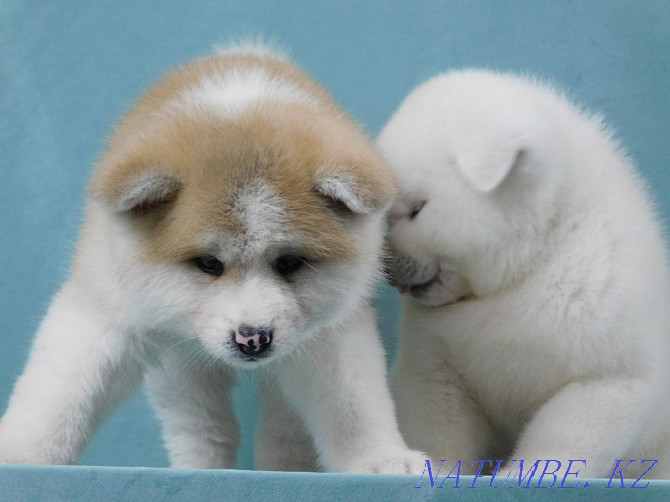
[
  {"x": 536, "y": 322},
  {"x": 235, "y": 221}
]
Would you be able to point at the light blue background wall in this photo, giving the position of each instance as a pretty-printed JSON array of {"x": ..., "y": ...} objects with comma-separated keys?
[{"x": 69, "y": 70}]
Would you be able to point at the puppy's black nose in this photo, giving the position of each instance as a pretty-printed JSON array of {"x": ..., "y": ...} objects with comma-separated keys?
[{"x": 253, "y": 341}]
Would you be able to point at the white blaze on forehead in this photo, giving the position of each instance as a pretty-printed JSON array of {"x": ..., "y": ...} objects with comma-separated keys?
[
  {"x": 234, "y": 91},
  {"x": 263, "y": 214}
]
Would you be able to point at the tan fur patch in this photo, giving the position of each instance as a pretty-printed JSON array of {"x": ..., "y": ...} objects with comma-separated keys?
[{"x": 212, "y": 159}]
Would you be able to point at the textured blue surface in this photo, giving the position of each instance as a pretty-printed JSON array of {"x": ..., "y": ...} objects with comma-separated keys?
[
  {"x": 84, "y": 484},
  {"x": 69, "y": 70}
]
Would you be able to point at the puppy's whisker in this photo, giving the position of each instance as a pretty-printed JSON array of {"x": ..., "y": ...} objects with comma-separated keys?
[
  {"x": 174, "y": 346},
  {"x": 308, "y": 264},
  {"x": 305, "y": 321}
]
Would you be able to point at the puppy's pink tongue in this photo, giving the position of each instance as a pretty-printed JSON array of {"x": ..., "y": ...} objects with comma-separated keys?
[{"x": 404, "y": 288}]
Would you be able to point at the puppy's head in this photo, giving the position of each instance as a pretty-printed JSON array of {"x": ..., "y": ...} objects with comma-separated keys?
[
  {"x": 478, "y": 157},
  {"x": 252, "y": 220}
]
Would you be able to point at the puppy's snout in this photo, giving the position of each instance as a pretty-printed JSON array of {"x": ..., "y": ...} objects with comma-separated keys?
[
  {"x": 391, "y": 274},
  {"x": 398, "y": 269},
  {"x": 253, "y": 341}
]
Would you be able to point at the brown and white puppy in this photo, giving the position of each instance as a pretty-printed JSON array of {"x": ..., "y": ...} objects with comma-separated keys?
[{"x": 235, "y": 221}]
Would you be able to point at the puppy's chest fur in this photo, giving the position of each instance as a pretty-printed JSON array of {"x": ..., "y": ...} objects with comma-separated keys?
[{"x": 515, "y": 350}]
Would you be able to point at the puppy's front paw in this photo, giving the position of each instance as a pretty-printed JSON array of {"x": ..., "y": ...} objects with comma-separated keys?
[
  {"x": 16, "y": 449},
  {"x": 397, "y": 462},
  {"x": 22, "y": 457},
  {"x": 9, "y": 453},
  {"x": 10, "y": 456},
  {"x": 10, "y": 459}
]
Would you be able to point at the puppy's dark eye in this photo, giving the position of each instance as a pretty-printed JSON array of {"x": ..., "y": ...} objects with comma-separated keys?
[
  {"x": 288, "y": 264},
  {"x": 416, "y": 209},
  {"x": 210, "y": 265}
]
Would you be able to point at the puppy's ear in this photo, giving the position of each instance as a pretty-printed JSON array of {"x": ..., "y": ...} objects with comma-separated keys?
[
  {"x": 357, "y": 191},
  {"x": 134, "y": 188},
  {"x": 486, "y": 172}
]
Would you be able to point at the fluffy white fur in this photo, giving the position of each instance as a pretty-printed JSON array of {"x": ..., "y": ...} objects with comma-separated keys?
[
  {"x": 536, "y": 321},
  {"x": 233, "y": 93},
  {"x": 120, "y": 317}
]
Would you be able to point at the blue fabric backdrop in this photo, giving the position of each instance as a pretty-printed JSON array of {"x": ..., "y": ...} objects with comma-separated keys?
[{"x": 69, "y": 70}]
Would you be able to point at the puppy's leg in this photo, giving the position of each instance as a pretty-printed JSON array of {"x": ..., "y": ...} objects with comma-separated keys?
[
  {"x": 654, "y": 444},
  {"x": 338, "y": 384},
  {"x": 192, "y": 398},
  {"x": 435, "y": 413},
  {"x": 282, "y": 442},
  {"x": 596, "y": 421},
  {"x": 79, "y": 368}
]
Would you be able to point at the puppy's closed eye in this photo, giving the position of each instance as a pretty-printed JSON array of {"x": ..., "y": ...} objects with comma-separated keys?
[{"x": 416, "y": 209}]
